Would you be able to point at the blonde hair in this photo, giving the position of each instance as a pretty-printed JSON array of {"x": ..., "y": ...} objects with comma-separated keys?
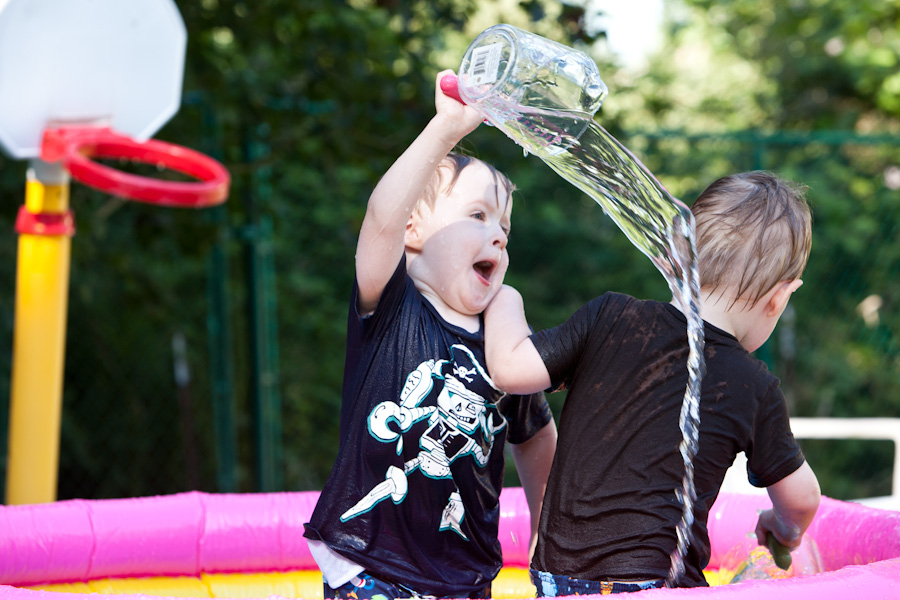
[
  {"x": 754, "y": 230},
  {"x": 452, "y": 165}
]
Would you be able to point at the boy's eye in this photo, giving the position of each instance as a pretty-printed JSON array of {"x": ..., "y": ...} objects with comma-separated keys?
[{"x": 479, "y": 215}]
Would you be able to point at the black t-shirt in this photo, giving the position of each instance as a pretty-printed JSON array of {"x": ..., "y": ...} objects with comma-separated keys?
[
  {"x": 414, "y": 494},
  {"x": 610, "y": 510}
]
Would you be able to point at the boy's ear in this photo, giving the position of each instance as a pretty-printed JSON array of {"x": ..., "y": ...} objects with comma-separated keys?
[
  {"x": 781, "y": 294},
  {"x": 413, "y": 236}
]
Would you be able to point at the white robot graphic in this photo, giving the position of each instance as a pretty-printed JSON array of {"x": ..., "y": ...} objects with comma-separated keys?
[{"x": 453, "y": 424}]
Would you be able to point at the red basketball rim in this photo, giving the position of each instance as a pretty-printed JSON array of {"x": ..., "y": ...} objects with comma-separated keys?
[{"x": 76, "y": 147}]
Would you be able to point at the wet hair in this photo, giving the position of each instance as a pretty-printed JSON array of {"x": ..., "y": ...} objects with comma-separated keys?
[
  {"x": 453, "y": 165},
  {"x": 754, "y": 230}
]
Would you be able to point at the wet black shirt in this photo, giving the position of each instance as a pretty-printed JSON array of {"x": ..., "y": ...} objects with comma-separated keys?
[
  {"x": 414, "y": 492},
  {"x": 610, "y": 510}
]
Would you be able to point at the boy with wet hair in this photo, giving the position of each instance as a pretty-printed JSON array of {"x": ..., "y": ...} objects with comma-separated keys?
[
  {"x": 610, "y": 511},
  {"x": 411, "y": 507}
]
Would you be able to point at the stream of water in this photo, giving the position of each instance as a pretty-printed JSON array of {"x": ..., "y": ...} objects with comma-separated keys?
[{"x": 659, "y": 225}]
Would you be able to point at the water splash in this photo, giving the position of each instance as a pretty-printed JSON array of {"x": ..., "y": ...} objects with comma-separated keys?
[
  {"x": 747, "y": 561},
  {"x": 662, "y": 228},
  {"x": 659, "y": 225}
]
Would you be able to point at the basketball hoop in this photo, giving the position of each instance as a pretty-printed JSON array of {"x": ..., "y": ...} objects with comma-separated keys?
[{"x": 76, "y": 146}]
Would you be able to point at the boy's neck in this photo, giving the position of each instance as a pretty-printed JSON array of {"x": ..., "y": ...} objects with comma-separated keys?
[
  {"x": 733, "y": 316},
  {"x": 717, "y": 311},
  {"x": 471, "y": 323}
]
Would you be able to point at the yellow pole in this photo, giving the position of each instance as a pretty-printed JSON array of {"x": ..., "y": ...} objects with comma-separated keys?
[{"x": 45, "y": 227}]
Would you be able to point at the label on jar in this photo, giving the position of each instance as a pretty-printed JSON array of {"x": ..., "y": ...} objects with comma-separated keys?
[{"x": 485, "y": 60}]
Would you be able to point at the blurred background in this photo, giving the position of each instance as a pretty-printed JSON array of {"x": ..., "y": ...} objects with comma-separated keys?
[{"x": 205, "y": 348}]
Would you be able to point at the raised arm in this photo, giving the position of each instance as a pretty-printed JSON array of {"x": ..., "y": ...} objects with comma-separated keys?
[
  {"x": 512, "y": 360},
  {"x": 381, "y": 237},
  {"x": 795, "y": 500}
]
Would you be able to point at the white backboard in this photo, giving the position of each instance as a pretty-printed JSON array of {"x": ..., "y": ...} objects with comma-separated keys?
[{"x": 118, "y": 63}]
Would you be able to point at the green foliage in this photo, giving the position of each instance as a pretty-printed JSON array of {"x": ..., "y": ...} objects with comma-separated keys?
[
  {"x": 313, "y": 100},
  {"x": 307, "y": 103},
  {"x": 835, "y": 62},
  {"x": 812, "y": 66}
]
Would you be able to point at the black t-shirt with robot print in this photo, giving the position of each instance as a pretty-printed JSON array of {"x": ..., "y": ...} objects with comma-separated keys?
[
  {"x": 610, "y": 509},
  {"x": 413, "y": 495}
]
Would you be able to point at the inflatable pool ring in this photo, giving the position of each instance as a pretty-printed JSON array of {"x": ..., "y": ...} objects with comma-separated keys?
[{"x": 246, "y": 545}]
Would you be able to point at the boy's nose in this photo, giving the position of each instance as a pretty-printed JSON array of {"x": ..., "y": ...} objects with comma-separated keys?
[{"x": 501, "y": 239}]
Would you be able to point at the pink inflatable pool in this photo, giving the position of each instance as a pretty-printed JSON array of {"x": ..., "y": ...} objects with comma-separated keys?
[{"x": 193, "y": 533}]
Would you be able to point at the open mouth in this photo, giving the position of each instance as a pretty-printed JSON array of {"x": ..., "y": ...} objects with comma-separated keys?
[{"x": 485, "y": 269}]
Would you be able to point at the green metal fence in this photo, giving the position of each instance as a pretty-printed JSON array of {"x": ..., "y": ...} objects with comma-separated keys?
[{"x": 150, "y": 278}]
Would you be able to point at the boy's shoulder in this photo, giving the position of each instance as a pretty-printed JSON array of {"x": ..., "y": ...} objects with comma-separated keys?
[
  {"x": 612, "y": 299},
  {"x": 729, "y": 364},
  {"x": 616, "y": 306},
  {"x": 623, "y": 304},
  {"x": 620, "y": 312}
]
